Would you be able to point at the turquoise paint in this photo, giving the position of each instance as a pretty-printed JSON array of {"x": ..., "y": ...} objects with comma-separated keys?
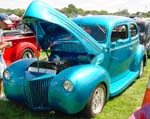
[{"x": 116, "y": 65}]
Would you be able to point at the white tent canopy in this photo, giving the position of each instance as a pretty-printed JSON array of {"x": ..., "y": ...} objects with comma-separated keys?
[{"x": 14, "y": 17}]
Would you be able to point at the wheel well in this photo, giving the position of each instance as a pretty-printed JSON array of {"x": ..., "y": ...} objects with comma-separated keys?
[
  {"x": 87, "y": 108},
  {"x": 106, "y": 89},
  {"x": 107, "y": 92},
  {"x": 28, "y": 49}
]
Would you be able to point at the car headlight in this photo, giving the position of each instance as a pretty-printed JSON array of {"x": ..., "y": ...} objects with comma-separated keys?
[
  {"x": 6, "y": 75},
  {"x": 68, "y": 86}
]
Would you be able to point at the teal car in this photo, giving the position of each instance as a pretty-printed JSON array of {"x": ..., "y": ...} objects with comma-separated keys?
[{"x": 89, "y": 60}]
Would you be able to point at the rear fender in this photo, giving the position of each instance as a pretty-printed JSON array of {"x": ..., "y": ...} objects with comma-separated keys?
[{"x": 139, "y": 56}]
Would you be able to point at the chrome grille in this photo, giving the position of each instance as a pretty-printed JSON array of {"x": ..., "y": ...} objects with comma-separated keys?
[{"x": 36, "y": 92}]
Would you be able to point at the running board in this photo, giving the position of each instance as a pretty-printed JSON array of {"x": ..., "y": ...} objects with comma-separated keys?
[{"x": 120, "y": 85}]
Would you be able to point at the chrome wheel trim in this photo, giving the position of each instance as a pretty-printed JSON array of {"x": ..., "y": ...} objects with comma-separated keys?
[
  {"x": 98, "y": 100},
  {"x": 27, "y": 54}
]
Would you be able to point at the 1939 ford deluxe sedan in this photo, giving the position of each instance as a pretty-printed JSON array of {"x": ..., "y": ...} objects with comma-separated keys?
[{"x": 90, "y": 59}]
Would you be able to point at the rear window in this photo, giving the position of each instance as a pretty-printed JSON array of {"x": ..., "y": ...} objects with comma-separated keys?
[{"x": 133, "y": 30}]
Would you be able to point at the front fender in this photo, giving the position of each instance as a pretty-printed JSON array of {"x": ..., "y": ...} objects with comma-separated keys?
[
  {"x": 14, "y": 87},
  {"x": 20, "y": 65},
  {"x": 84, "y": 78},
  {"x": 138, "y": 58}
]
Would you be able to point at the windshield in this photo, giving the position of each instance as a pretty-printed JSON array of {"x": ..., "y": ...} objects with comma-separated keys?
[{"x": 96, "y": 31}]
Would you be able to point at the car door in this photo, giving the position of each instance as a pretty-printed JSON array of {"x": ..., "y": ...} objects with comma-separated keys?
[{"x": 120, "y": 52}]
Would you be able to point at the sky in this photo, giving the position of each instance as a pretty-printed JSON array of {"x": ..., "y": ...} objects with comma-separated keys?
[{"x": 111, "y": 6}]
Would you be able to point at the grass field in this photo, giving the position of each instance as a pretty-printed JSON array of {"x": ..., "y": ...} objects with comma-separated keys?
[{"x": 119, "y": 107}]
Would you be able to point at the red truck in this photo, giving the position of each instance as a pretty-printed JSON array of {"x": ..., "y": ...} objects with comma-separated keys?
[{"x": 24, "y": 44}]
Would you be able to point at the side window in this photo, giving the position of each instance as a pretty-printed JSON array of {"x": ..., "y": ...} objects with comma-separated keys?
[
  {"x": 133, "y": 30},
  {"x": 119, "y": 32}
]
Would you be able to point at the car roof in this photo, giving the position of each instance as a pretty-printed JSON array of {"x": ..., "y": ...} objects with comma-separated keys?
[{"x": 104, "y": 20}]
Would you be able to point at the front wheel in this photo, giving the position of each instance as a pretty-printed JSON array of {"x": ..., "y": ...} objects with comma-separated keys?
[
  {"x": 27, "y": 53},
  {"x": 97, "y": 101}
]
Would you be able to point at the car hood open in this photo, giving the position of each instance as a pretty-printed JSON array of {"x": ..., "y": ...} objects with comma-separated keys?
[{"x": 41, "y": 17}]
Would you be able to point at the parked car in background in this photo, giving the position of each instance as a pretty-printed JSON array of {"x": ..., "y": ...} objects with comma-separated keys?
[
  {"x": 144, "y": 29},
  {"x": 24, "y": 44},
  {"x": 91, "y": 59}
]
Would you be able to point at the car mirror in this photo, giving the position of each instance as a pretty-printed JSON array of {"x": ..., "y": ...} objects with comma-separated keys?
[{"x": 98, "y": 59}]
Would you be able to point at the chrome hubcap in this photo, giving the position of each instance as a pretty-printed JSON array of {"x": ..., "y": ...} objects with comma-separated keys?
[
  {"x": 27, "y": 55},
  {"x": 98, "y": 100}
]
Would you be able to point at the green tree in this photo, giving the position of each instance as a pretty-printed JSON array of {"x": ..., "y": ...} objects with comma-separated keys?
[
  {"x": 71, "y": 11},
  {"x": 103, "y": 12},
  {"x": 123, "y": 12},
  {"x": 18, "y": 12}
]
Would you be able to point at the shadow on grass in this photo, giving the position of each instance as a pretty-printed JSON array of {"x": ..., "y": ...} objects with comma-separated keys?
[{"x": 12, "y": 110}]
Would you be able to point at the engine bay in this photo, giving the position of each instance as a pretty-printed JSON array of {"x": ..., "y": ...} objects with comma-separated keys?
[{"x": 55, "y": 64}]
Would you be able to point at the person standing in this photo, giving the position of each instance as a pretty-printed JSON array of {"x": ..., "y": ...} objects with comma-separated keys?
[{"x": 3, "y": 45}]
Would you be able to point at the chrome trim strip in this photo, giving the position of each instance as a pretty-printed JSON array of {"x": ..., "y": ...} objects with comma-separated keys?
[
  {"x": 126, "y": 45},
  {"x": 42, "y": 70}
]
